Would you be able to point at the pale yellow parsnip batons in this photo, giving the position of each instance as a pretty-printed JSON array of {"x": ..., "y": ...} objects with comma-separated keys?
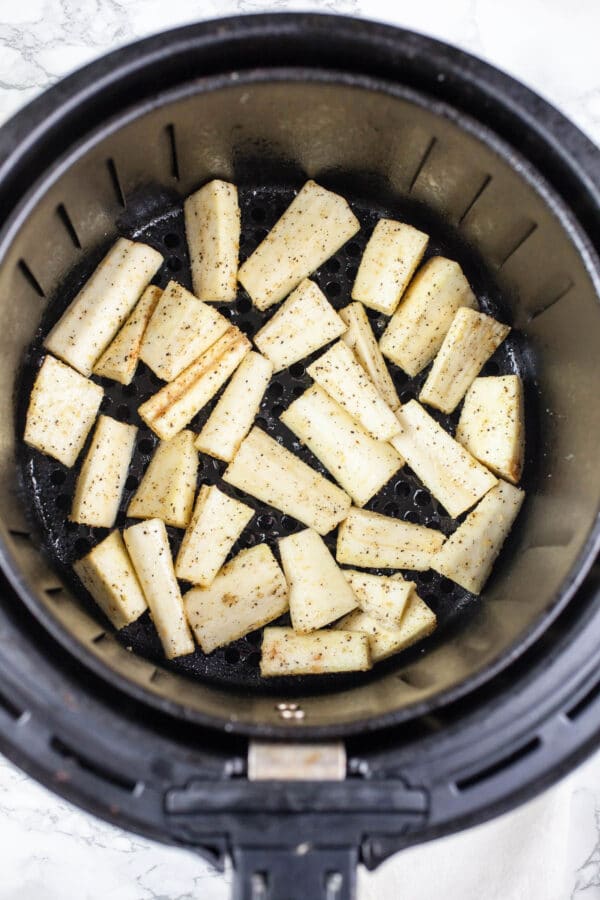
[
  {"x": 319, "y": 592},
  {"x": 469, "y": 343},
  {"x": 382, "y": 597},
  {"x": 452, "y": 475},
  {"x": 215, "y": 526},
  {"x": 119, "y": 360},
  {"x": 340, "y": 374},
  {"x": 168, "y": 486},
  {"x": 313, "y": 227},
  {"x": 492, "y": 424},
  {"x": 416, "y": 330},
  {"x": 303, "y": 324},
  {"x": 148, "y": 546},
  {"x": 246, "y": 594},
  {"x": 360, "y": 338},
  {"x": 91, "y": 321},
  {"x": 284, "y": 652},
  {"x": 468, "y": 555},
  {"x": 231, "y": 419},
  {"x": 391, "y": 256},
  {"x": 359, "y": 463},
  {"x": 374, "y": 541},
  {"x": 268, "y": 471},
  {"x": 108, "y": 574},
  {"x": 101, "y": 480},
  {"x": 418, "y": 622},
  {"x": 182, "y": 327},
  {"x": 212, "y": 227},
  {"x": 62, "y": 408},
  {"x": 176, "y": 404}
]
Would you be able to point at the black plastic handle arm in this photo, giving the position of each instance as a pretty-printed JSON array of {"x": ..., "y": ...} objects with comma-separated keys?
[{"x": 300, "y": 873}]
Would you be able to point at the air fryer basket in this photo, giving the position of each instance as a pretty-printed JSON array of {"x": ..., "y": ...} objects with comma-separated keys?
[{"x": 399, "y": 125}]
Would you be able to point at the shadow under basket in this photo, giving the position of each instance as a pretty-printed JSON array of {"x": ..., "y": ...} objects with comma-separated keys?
[{"x": 502, "y": 697}]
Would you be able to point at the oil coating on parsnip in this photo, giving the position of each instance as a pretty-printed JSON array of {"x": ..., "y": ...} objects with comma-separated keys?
[
  {"x": 284, "y": 652},
  {"x": 359, "y": 463},
  {"x": 91, "y": 321},
  {"x": 231, "y": 419},
  {"x": 148, "y": 546},
  {"x": 391, "y": 256},
  {"x": 451, "y": 474},
  {"x": 303, "y": 324},
  {"x": 246, "y": 594},
  {"x": 182, "y": 327},
  {"x": 215, "y": 526},
  {"x": 62, "y": 408},
  {"x": 102, "y": 476},
  {"x": 314, "y": 227},
  {"x": 469, "y": 343},
  {"x": 382, "y": 597},
  {"x": 418, "y": 622},
  {"x": 176, "y": 404},
  {"x": 468, "y": 555},
  {"x": 108, "y": 574},
  {"x": 119, "y": 360},
  {"x": 361, "y": 340},
  {"x": 340, "y": 374},
  {"x": 212, "y": 228},
  {"x": 319, "y": 592},
  {"x": 375, "y": 541},
  {"x": 492, "y": 425},
  {"x": 268, "y": 471},
  {"x": 416, "y": 330},
  {"x": 168, "y": 486}
]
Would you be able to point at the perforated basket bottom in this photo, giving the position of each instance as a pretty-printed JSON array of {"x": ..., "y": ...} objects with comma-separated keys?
[{"x": 48, "y": 486}]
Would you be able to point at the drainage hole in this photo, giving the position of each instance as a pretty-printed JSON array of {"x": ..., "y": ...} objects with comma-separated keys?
[
  {"x": 401, "y": 489},
  {"x": 297, "y": 370},
  {"x": 174, "y": 264},
  {"x": 171, "y": 240},
  {"x": 131, "y": 483},
  {"x": 333, "y": 289},
  {"x": 422, "y": 498},
  {"x": 146, "y": 446},
  {"x": 232, "y": 656},
  {"x": 58, "y": 477},
  {"x": 352, "y": 249}
]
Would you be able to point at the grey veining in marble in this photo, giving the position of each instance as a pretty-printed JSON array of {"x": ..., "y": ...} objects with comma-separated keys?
[{"x": 549, "y": 849}]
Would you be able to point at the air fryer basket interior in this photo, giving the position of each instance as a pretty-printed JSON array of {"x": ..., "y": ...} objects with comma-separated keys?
[{"x": 404, "y": 154}]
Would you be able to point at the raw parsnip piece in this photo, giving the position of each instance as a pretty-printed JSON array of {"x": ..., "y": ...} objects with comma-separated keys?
[
  {"x": 119, "y": 360},
  {"x": 374, "y": 541},
  {"x": 246, "y": 594},
  {"x": 359, "y": 463},
  {"x": 361, "y": 340},
  {"x": 62, "y": 408},
  {"x": 391, "y": 256},
  {"x": 383, "y": 598},
  {"x": 469, "y": 343},
  {"x": 340, "y": 374},
  {"x": 452, "y": 475},
  {"x": 284, "y": 652},
  {"x": 416, "y": 330},
  {"x": 313, "y": 227},
  {"x": 305, "y": 322},
  {"x": 176, "y": 404},
  {"x": 468, "y": 555},
  {"x": 268, "y": 471},
  {"x": 180, "y": 330},
  {"x": 418, "y": 622},
  {"x": 215, "y": 526},
  {"x": 492, "y": 425},
  {"x": 91, "y": 321},
  {"x": 169, "y": 484},
  {"x": 231, "y": 419},
  {"x": 319, "y": 592},
  {"x": 148, "y": 546},
  {"x": 102, "y": 476},
  {"x": 108, "y": 574},
  {"x": 212, "y": 228}
]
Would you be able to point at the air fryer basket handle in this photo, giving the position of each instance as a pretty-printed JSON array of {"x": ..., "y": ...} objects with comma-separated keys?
[{"x": 295, "y": 873}]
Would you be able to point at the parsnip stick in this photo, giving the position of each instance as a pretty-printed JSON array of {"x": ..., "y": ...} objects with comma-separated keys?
[
  {"x": 212, "y": 227},
  {"x": 119, "y": 360},
  {"x": 286, "y": 653},
  {"x": 108, "y": 574},
  {"x": 374, "y": 541},
  {"x": 361, "y": 340},
  {"x": 101, "y": 481},
  {"x": 360, "y": 464},
  {"x": 169, "y": 484},
  {"x": 418, "y": 622},
  {"x": 89, "y": 324},
  {"x": 383, "y": 598}
]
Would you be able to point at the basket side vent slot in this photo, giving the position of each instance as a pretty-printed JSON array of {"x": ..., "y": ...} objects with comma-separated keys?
[
  {"x": 67, "y": 221},
  {"x": 30, "y": 278},
  {"x": 170, "y": 132},
  {"x": 501, "y": 765},
  {"x": 94, "y": 768}
]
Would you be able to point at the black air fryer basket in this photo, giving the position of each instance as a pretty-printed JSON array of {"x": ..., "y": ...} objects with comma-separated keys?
[{"x": 505, "y": 697}]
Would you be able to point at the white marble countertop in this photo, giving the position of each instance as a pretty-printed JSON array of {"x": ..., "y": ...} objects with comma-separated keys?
[{"x": 549, "y": 849}]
